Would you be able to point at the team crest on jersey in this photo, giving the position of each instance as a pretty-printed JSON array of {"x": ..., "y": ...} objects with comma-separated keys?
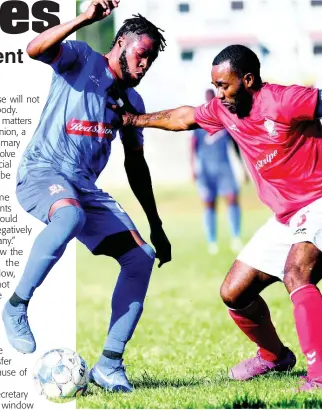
[
  {"x": 233, "y": 127},
  {"x": 56, "y": 189},
  {"x": 89, "y": 128},
  {"x": 270, "y": 127}
]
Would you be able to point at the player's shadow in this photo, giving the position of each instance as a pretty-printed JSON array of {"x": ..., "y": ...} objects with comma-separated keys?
[
  {"x": 298, "y": 373},
  {"x": 148, "y": 381}
]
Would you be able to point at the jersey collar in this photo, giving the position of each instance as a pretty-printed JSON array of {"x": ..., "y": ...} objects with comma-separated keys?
[{"x": 112, "y": 72}]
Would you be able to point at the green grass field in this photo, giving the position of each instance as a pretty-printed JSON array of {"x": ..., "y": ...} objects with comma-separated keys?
[{"x": 185, "y": 341}]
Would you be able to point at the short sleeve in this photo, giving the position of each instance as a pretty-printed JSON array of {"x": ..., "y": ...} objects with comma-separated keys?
[
  {"x": 133, "y": 137},
  {"x": 298, "y": 103},
  {"x": 69, "y": 53},
  {"x": 206, "y": 117}
]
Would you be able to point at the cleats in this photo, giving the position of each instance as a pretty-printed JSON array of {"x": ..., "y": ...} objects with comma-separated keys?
[
  {"x": 113, "y": 379},
  {"x": 17, "y": 328},
  {"x": 309, "y": 385},
  {"x": 256, "y": 366},
  {"x": 213, "y": 248}
]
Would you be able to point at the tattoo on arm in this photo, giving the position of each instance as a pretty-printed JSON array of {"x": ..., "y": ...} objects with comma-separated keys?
[{"x": 146, "y": 119}]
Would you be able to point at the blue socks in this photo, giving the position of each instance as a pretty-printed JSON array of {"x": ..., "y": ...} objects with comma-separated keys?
[
  {"x": 130, "y": 289},
  {"x": 128, "y": 296},
  {"x": 48, "y": 248},
  {"x": 210, "y": 224},
  {"x": 234, "y": 216}
]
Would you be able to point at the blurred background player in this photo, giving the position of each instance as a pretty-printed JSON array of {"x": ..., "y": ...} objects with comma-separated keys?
[
  {"x": 213, "y": 172},
  {"x": 56, "y": 181}
]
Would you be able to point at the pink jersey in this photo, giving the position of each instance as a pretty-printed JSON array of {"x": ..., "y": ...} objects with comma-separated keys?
[{"x": 281, "y": 142}]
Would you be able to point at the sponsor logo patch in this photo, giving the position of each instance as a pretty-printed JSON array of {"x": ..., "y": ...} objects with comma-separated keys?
[
  {"x": 56, "y": 189},
  {"x": 300, "y": 231},
  {"x": 268, "y": 159},
  {"x": 89, "y": 128}
]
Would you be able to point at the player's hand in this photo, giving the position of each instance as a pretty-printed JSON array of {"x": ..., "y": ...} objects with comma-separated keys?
[
  {"x": 125, "y": 119},
  {"x": 99, "y": 9},
  {"x": 161, "y": 244}
]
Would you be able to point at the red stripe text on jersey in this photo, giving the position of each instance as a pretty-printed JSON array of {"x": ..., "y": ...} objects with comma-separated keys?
[{"x": 89, "y": 128}]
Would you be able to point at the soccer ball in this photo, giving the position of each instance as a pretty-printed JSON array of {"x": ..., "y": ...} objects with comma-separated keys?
[{"x": 60, "y": 373}]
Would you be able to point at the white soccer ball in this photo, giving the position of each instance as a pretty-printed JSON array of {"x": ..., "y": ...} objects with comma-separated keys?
[{"x": 60, "y": 373}]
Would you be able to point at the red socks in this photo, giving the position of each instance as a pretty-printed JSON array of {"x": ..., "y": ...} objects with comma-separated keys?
[
  {"x": 255, "y": 322},
  {"x": 307, "y": 301}
]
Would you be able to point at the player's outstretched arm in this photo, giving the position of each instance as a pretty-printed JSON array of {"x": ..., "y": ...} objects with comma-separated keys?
[
  {"x": 51, "y": 38},
  {"x": 138, "y": 174},
  {"x": 178, "y": 119}
]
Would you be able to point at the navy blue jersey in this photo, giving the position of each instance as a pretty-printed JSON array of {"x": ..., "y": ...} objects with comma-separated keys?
[
  {"x": 211, "y": 150},
  {"x": 77, "y": 127}
]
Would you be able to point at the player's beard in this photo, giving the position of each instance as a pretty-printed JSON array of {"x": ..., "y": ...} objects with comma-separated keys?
[
  {"x": 243, "y": 103},
  {"x": 126, "y": 75}
]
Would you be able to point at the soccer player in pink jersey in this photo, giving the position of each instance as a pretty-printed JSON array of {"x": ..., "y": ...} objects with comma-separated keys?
[{"x": 279, "y": 134}]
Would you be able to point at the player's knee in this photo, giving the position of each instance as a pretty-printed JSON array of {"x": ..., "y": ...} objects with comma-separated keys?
[
  {"x": 145, "y": 257},
  {"x": 228, "y": 295},
  {"x": 293, "y": 278},
  {"x": 149, "y": 253},
  {"x": 72, "y": 220},
  {"x": 139, "y": 261}
]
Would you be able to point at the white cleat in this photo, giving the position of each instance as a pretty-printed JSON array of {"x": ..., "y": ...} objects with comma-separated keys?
[
  {"x": 236, "y": 245},
  {"x": 213, "y": 248}
]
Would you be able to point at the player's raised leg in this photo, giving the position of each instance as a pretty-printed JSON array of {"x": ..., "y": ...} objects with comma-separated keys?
[{"x": 64, "y": 219}]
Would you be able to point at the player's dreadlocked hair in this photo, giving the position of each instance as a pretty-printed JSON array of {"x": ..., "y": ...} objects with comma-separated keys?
[
  {"x": 242, "y": 60},
  {"x": 140, "y": 25}
]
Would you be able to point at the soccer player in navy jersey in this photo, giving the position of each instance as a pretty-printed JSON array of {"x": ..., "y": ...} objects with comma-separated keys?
[{"x": 57, "y": 174}]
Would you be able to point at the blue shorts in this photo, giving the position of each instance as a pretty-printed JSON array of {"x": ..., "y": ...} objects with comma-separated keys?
[
  {"x": 221, "y": 182},
  {"x": 41, "y": 188}
]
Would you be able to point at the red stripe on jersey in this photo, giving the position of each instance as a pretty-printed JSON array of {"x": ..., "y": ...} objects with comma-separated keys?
[{"x": 89, "y": 128}]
